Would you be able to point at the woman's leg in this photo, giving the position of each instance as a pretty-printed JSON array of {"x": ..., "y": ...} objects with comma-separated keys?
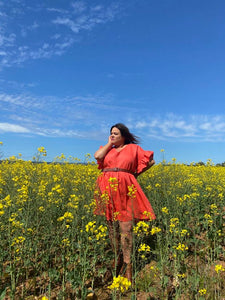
[
  {"x": 115, "y": 241},
  {"x": 126, "y": 240},
  {"x": 126, "y": 245},
  {"x": 114, "y": 236}
]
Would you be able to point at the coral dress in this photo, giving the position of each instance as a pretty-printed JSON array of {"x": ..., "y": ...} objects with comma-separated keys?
[{"x": 118, "y": 194}]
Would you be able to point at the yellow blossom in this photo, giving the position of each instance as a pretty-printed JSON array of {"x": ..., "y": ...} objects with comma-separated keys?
[
  {"x": 219, "y": 268},
  {"x": 42, "y": 151},
  {"x": 202, "y": 292},
  {"x": 18, "y": 240},
  {"x": 65, "y": 242},
  {"x": 144, "y": 248},
  {"x": 208, "y": 218},
  {"x": 120, "y": 284},
  {"x": 113, "y": 183},
  {"x": 90, "y": 226},
  {"x": 173, "y": 223},
  {"x": 115, "y": 215},
  {"x": 165, "y": 210},
  {"x": 148, "y": 214},
  {"x": 68, "y": 217},
  {"x": 155, "y": 230},
  {"x": 181, "y": 247},
  {"x": 41, "y": 208},
  {"x": 184, "y": 232},
  {"x": 141, "y": 228},
  {"x": 132, "y": 191}
]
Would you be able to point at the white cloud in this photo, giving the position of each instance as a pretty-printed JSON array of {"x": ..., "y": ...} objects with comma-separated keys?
[
  {"x": 52, "y": 115},
  {"x": 56, "y": 36},
  {"x": 97, "y": 8},
  {"x": 32, "y": 27},
  {"x": 7, "y": 127},
  {"x": 205, "y": 126},
  {"x": 57, "y": 10},
  {"x": 141, "y": 124},
  {"x": 87, "y": 21},
  {"x": 21, "y": 100},
  {"x": 75, "y": 27},
  {"x": 59, "y": 133}
]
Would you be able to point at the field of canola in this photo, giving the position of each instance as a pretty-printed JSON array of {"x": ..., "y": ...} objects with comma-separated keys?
[{"x": 53, "y": 247}]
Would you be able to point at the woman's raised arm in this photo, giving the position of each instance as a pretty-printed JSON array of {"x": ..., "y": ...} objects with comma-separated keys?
[{"x": 101, "y": 153}]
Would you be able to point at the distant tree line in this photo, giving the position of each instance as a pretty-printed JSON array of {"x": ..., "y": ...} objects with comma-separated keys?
[{"x": 201, "y": 163}]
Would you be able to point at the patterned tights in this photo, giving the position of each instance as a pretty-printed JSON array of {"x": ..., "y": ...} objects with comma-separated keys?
[{"x": 120, "y": 235}]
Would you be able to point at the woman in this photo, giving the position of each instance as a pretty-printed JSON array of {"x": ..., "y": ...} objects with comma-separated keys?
[{"x": 119, "y": 196}]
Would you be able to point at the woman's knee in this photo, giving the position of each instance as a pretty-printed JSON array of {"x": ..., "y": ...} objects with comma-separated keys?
[{"x": 126, "y": 226}]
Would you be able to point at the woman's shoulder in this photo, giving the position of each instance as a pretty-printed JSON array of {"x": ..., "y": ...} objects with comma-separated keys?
[
  {"x": 138, "y": 149},
  {"x": 133, "y": 146}
]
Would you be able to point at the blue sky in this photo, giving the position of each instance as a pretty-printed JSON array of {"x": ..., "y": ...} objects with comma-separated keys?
[{"x": 71, "y": 69}]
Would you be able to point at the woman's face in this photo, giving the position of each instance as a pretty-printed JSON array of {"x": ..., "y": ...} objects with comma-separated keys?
[{"x": 116, "y": 137}]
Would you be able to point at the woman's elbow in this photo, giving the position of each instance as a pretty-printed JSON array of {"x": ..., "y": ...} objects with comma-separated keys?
[{"x": 98, "y": 156}]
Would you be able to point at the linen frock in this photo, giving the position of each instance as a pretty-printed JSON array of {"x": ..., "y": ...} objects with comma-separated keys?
[{"x": 118, "y": 195}]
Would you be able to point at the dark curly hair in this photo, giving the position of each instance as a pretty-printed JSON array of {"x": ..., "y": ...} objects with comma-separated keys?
[{"x": 129, "y": 137}]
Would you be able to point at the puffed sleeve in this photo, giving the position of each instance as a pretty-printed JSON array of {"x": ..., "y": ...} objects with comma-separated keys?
[{"x": 143, "y": 158}]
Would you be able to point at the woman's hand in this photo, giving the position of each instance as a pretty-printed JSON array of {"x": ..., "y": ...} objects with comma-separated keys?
[
  {"x": 110, "y": 141},
  {"x": 150, "y": 164}
]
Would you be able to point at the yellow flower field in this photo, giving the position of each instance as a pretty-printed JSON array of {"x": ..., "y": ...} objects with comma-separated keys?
[{"x": 53, "y": 247}]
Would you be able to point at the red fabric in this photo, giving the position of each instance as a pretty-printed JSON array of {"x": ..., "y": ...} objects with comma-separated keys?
[{"x": 118, "y": 194}]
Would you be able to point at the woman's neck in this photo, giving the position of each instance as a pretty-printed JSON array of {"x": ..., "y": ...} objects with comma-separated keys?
[{"x": 119, "y": 146}]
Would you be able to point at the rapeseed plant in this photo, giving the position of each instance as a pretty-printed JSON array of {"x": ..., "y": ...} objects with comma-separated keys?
[
  {"x": 49, "y": 233},
  {"x": 219, "y": 268},
  {"x": 141, "y": 228},
  {"x": 144, "y": 250},
  {"x": 120, "y": 284},
  {"x": 165, "y": 210}
]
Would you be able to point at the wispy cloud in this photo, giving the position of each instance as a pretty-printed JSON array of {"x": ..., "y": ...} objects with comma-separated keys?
[
  {"x": 57, "y": 10},
  {"x": 60, "y": 26},
  {"x": 32, "y": 27},
  {"x": 87, "y": 19},
  {"x": 186, "y": 128},
  {"x": 85, "y": 117},
  {"x": 53, "y": 116},
  {"x": 79, "y": 6}
]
